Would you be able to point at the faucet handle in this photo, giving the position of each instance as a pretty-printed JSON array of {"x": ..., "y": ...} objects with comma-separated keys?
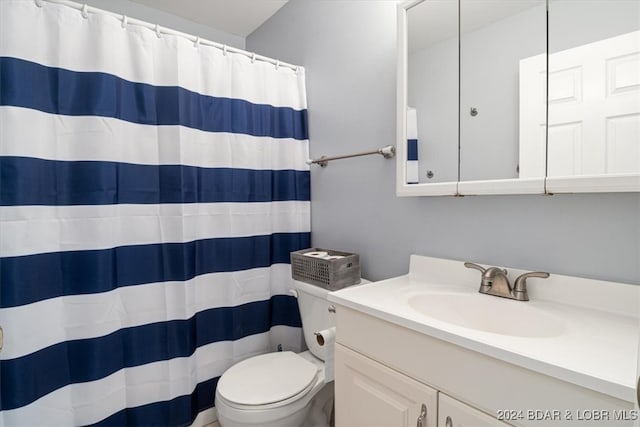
[
  {"x": 520, "y": 286},
  {"x": 476, "y": 266},
  {"x": 484, "y": 287}
]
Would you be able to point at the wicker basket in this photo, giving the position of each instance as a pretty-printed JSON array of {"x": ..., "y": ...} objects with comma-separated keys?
[{"x": 331, "y": 274}]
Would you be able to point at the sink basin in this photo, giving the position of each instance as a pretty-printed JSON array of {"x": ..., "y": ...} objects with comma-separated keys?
[{"x": 487, "y": 313}]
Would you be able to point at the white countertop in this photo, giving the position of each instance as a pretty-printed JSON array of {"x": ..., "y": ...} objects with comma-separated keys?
[{"x": 597, "y": 347}]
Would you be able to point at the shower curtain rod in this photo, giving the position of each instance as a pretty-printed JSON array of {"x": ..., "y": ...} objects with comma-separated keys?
[
  {"x": 86, "y": 10},
  {"x": 387, "y": 152}
]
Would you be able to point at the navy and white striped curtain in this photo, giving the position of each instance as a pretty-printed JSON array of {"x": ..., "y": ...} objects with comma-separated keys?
[{"x": 151, "y": 191}]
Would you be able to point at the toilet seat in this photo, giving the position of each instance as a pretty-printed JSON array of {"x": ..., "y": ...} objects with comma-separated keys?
[{"x": 267, "y": 381}]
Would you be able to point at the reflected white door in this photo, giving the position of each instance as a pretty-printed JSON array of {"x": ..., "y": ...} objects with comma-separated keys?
[{"x": 594, "y": 109}]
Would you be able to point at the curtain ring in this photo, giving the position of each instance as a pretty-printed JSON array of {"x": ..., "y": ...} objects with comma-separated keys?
[
  {"x": 158, "y": 33},
  {"x": 253, "y": 57},
  {"x": 39, "y": 3},
  {"x": 297, "y": 69},
  {"x": 277, "y": 64},
  {"x": 85, "y": 11},
  {"x": 224, "y": 50},
  {"x": 197, "y": 42},
  {"x": 124, "y": 21}
]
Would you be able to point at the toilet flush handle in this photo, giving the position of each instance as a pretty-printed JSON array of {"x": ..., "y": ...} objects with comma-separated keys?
[{"x": 331, "y": 309}]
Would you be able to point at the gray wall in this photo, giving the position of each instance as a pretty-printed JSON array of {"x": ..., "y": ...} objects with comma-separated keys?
[
  {"x": 349, "y": 51},
  {"x": 597, "y": 20},
  {"x": 155, "y": 16}
]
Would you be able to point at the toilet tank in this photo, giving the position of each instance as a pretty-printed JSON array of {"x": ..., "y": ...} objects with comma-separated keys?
[{"x": 315, "y": 315}]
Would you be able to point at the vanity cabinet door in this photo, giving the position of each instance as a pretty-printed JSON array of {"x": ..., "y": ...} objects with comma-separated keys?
[
  {"x": 453, "y": 413},
  {"x": 369, "y": 394}
]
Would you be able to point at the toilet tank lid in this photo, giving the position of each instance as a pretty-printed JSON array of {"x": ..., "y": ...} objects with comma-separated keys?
[
  {"x": 311, "y": 289},
  {"x": 267, "y": 379}
]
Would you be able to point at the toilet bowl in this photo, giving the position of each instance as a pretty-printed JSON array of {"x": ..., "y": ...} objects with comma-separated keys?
[
  {"x": 283, "y": 389},
  {"x": 288, "y": 390}
]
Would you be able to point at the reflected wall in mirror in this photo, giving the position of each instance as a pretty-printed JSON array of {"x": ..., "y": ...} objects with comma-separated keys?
[
  {"x": 496, "y": 38},
  {"x": 432, "y": 92},
  {"x": 594, "y": 88}
]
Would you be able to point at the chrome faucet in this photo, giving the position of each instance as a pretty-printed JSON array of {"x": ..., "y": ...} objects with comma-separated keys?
[{"x": 495, "y": 282}]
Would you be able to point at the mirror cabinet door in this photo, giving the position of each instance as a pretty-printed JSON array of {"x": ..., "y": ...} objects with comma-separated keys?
[
  {"x": 432, "y": 92},
  {"x": 502, "y": 89},
  {"x": 473, "y": 112},
  {"x": 594, "y": 92}
]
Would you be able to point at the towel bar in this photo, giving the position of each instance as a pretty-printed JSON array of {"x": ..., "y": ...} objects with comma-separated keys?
[{"x": 387, "y": 152}]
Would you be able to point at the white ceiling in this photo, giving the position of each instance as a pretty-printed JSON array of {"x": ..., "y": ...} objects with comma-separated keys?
[{"x": 239, "y": 17}]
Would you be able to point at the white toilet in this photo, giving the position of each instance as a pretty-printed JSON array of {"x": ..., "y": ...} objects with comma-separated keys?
[{"x": 283, "y": 389}]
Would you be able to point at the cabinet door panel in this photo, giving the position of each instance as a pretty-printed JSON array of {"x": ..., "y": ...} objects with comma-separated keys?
[
  {"x": 369, "y": 394},
  {"x": 462, "y": 415}
]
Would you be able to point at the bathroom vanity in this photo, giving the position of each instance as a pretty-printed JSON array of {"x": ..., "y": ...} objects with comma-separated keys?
[{"x": 427, "y": 349}]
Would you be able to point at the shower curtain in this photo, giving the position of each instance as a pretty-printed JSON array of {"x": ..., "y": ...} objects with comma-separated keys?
[{"x": 152, "y": 188}]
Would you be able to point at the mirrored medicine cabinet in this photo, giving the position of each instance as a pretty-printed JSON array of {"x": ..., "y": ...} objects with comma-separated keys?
[{"x": 478, "y": 112}]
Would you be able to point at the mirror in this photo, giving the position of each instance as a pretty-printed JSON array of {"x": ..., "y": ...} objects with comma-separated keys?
[
  {"x": 498, "y": 39},
  {"x": 432, "y": 92},
  {"x": 472, "y": 98},
  {"x": 594, "y": 91}
]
